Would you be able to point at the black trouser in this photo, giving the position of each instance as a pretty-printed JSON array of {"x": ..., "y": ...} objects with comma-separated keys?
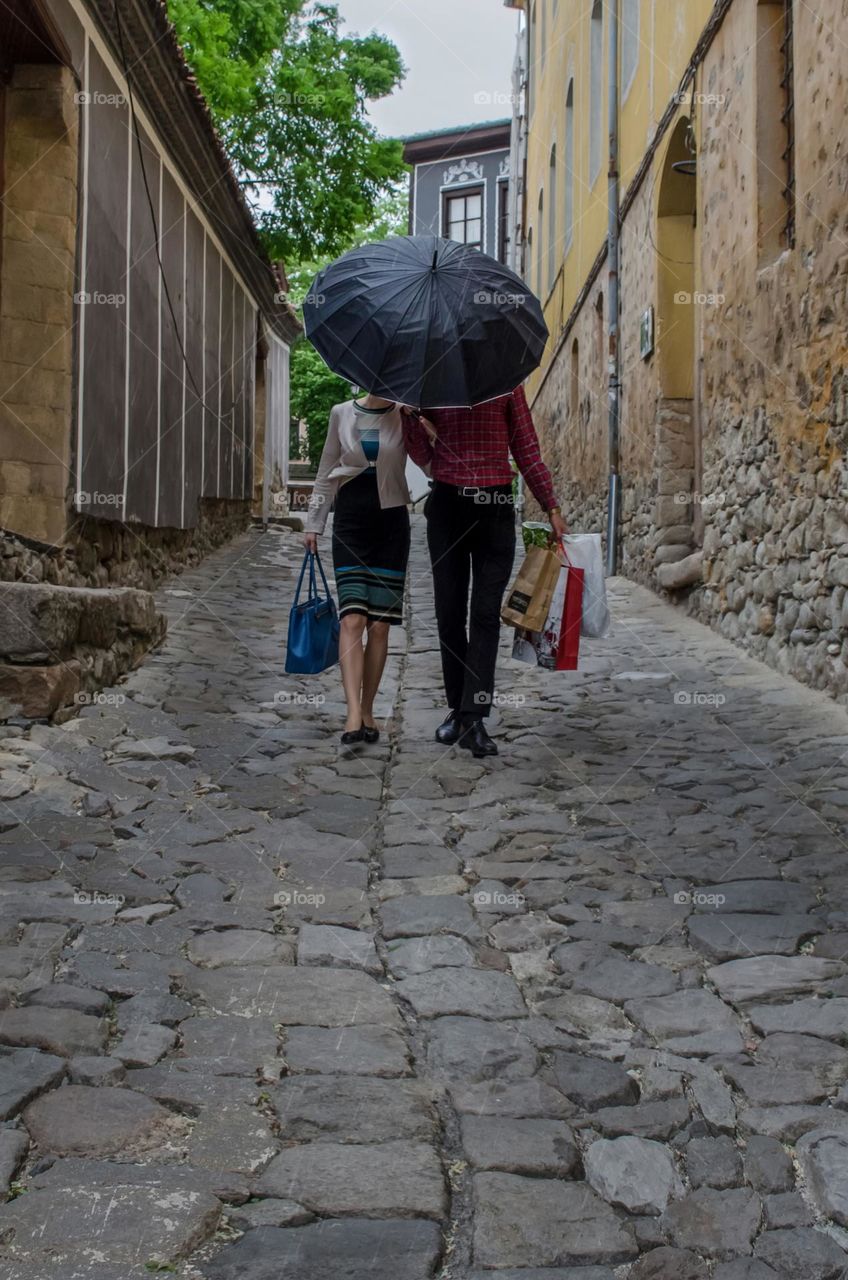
[{"x": 471, "y": 536}]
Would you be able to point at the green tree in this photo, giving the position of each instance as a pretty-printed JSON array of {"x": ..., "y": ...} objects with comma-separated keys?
[
  {"x": 289, "y": 92},
  {"x": 314, "y": 391},
  {"x": 389, "y": 217}
]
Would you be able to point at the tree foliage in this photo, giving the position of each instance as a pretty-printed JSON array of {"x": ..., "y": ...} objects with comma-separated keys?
[
  {"x": 314, "y": 391},
  {"x": 289, "y": 92}
]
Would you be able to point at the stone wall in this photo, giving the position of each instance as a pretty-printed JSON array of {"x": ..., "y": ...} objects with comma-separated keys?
[
  {"x": 39, "y": 218},
  {"x": 58, "y": 645},
  {"x": 77, "y": 616},
  {"x": 105, "y": 553},
  {"x": 775, "y": 411},
  {"x": 765, "y": 497}
]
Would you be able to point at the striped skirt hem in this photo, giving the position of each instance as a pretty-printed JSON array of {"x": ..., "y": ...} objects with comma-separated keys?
[{"x": 376, "y": 593}]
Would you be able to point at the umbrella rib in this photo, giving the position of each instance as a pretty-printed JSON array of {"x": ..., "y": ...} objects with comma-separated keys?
[{"x": 422, "y": 284}]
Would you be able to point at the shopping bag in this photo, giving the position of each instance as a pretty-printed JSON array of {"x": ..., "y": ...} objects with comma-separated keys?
[
  {"x": 556, "y": 646},
  {"x": 583, "y": 551},
  {"x": 568, "y": 644},
  {"x": 524, "y": 647},
  {"x": 313, "y": 643},
  {"x": 529, "y": 600}
]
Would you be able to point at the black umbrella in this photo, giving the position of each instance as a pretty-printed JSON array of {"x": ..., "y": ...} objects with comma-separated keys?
[{"x": 425, "y": 321}]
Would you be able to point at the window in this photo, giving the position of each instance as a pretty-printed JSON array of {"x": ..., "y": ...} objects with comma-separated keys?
[
  {"x": 528, "y": 258},
  {"x": 463, "y": 219},
  {"x": 629, "y": 43},
  {"x": 552, "y": 219},
  {"x": 531, "y": 62},
  {"x": 540, "y": 245},
  {"x": 504, "y": 238},
  {"x": 775, "y": 130},
  {"x": 544, "y": 46},
  {"x": 568, "y": 229},
  {"x": 596, "y": 98}
]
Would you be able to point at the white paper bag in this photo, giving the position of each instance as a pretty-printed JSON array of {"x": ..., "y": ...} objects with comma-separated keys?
[
  {"x": 584, "y": 552},
  {"x": 540, "y": 648}
]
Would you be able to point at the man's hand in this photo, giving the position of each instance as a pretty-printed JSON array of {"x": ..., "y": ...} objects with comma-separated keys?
[
  {"x": 310, "y": 541},
  {"x": 558, "y": 525},
  {"x": 408, "y": 411}
]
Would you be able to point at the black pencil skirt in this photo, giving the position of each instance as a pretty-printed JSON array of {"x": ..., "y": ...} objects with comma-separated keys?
[{"x": 370, "y": 551}]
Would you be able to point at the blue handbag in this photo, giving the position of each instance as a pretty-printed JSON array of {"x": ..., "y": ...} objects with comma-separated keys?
[{"x": 313, "y": 626}]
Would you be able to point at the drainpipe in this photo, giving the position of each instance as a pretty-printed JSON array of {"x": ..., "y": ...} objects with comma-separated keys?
[
  {"x": 521, "y": 72},
  {"x": 516, "y": 152},
  {"x": 613, "y": 369}
]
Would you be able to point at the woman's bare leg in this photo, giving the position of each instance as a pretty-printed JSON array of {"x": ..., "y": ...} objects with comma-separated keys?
[
  {"x": 352, "y": 662},
  {"x": 376, "y": 652}
]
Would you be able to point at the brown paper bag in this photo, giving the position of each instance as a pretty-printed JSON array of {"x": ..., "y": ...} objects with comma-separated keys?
[{"x": 530, "y": 597}]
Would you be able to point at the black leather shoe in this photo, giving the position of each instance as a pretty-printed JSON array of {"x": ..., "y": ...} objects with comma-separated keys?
[
  {"x": 448, "y": 732},
  {"x": 370, "y": 733},
  {"x": 350, "y": 737},
  {"x": 475, "y": 739}
]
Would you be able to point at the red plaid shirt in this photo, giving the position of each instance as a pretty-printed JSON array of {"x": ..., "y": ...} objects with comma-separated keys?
[{"x": 474, "y": 445}]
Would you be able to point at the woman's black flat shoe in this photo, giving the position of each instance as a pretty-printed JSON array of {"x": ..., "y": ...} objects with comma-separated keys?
[
  {"x": 351, "y": 736},
  {"x": 370, "y": 733}
]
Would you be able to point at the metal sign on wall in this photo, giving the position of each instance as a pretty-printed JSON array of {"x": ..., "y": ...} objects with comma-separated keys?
[{"x": 646, "y": 333}]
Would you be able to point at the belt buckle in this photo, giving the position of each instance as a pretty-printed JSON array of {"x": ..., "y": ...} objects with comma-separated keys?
[{"x": 469, "y": 490}]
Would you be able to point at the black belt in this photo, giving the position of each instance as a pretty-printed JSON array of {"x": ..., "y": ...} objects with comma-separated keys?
[{"x": 474, "y": 490}]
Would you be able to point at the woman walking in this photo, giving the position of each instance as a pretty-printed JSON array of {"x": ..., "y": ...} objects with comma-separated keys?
[{"x": 363, "y": 467}]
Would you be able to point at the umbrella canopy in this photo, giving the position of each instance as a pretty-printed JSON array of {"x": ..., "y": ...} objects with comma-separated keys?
[{"x": 425, "y": 321}]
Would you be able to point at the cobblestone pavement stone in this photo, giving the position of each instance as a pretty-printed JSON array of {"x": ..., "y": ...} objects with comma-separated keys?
[{"x": 274, "y": 1011}]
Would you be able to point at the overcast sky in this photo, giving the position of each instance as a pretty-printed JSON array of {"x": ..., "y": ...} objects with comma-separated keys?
[{"x": 458, "y": 54}]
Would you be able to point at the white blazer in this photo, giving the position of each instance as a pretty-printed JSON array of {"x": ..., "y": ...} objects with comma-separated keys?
[{"x": 344, "y": 457}]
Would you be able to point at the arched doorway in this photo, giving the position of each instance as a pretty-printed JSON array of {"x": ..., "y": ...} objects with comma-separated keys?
[{"x": 677, "y": 513}]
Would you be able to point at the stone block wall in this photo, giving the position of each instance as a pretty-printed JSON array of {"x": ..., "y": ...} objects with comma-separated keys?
[
  {"x": 58, "y": 644},
  {"x": 39, "y": 221},
  {"x": 106, "y": 553},
  {"x": 775, "y": 425},
  {"x": 770, "y": 514},
  {"x": 575, "y": 444},
  {"x": 45, "y": 548}
]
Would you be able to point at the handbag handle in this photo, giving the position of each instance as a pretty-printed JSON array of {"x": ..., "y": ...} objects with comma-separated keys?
[
  {"x": 323, "y": 574},
  {"x": 306, "y": 558},
  {"x": 310, "y": 558}
]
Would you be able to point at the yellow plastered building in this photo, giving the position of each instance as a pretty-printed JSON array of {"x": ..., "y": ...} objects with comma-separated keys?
[{"x": 725, "y": 355}]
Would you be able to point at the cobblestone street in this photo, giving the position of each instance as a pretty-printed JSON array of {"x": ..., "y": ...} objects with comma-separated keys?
[{"x": 272, "y": 1010}]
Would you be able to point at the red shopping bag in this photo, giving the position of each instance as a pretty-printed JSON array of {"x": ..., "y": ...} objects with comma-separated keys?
[
  {"x": 557, "y": 646},
  {"x": 568, "y": 649}
]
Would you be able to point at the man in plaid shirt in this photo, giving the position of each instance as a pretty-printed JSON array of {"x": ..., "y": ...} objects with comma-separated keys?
[{"x": 471, "y": 537}]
